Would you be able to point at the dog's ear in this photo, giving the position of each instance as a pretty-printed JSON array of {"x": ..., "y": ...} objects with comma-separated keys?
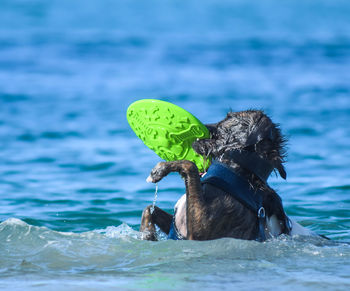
[
  {"x": 267, "y": 138},
  {"x": 282, "y": 171},
  {"x": 277, "y": 163}
]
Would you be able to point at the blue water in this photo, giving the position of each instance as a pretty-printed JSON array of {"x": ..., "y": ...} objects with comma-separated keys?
[{"x": 72, "y": 172}]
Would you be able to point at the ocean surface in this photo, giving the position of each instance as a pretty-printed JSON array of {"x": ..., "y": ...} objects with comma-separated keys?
[{"x": 72, "y": 172}]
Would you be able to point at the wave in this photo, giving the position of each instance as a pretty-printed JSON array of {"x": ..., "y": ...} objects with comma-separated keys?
[
  {"x": 121, "y": 248},
  {"x": 116, "y": 256}
]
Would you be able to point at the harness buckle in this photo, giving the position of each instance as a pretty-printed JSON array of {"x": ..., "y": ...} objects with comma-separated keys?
[
  {"x": 261, "y": 212},
  {"x": 262, "y": 220}
]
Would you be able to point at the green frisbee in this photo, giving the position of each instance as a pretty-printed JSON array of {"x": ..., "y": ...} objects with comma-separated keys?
[{"x": 168, "y": 130}]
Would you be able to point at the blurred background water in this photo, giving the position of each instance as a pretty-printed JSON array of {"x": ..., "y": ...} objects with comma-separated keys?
[{"x": 72, "y": 172}]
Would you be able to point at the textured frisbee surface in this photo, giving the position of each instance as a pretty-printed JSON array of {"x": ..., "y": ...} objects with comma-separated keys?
[{"x": 168, "y": 130}]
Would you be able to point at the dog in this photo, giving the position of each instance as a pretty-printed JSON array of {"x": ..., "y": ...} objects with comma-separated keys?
[{"x": 233, "y": 198}]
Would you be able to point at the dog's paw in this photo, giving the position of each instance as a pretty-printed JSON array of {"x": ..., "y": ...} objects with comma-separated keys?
[
  {"x": 147, "y": 235},
  {"x": 157, "y": 173}
]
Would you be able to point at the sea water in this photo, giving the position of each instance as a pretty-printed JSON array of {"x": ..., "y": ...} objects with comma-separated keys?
[{"x": 72, "y": 172}]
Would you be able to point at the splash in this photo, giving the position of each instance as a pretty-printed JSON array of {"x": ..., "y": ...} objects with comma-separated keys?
[
  {"x": 122, "y": 231},
  {"x": 154, "y": 199}
]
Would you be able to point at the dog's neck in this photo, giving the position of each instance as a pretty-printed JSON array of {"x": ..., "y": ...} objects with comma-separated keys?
[{"x": 248, "y": 162}]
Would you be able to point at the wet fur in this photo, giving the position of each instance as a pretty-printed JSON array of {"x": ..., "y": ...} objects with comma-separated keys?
[{"x": 210, "y": 212}]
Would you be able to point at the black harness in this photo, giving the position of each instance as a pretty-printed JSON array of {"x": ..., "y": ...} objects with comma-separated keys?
[{"x": 224, "y": 178}]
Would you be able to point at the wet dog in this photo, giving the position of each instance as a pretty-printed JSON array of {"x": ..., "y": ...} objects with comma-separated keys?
[{"x": 233, "y": 198}]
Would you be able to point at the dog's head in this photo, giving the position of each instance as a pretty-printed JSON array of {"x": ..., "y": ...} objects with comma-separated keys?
[{"x": 247, "y": 134}]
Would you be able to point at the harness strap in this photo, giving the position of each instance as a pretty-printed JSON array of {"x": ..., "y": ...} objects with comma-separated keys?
[
  {"x": 173, "y": 232},
  {"x": 252, "y": 162}
]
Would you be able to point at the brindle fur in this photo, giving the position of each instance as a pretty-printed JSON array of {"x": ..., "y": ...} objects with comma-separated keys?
[{"x": 211, "y": 212}]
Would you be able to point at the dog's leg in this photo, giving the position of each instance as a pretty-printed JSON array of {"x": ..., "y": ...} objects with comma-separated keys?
[
  {"x": 194, "y": 198},
  {"x": 158, "y": 217}
]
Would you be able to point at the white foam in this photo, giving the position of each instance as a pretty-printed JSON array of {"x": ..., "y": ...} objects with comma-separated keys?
[
  {"x": 14, "y": 221},
  {"x": 121, "y": 231}
]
